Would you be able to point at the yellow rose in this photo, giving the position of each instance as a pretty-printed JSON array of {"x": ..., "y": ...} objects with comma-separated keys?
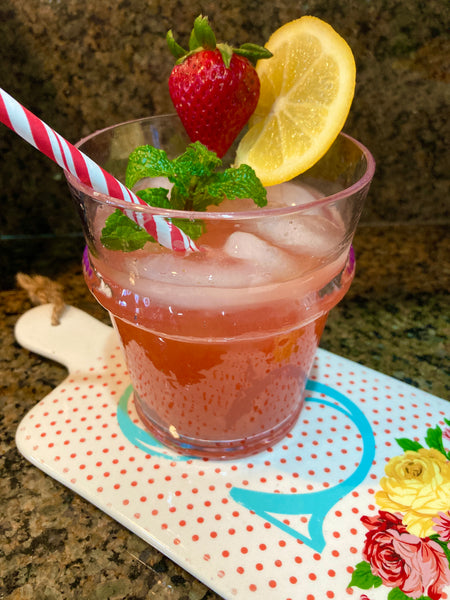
[{"x": 418, "y": 486}]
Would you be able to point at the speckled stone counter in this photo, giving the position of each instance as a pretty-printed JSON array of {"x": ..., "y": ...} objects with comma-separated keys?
[
  {"x": 82, "y": 66},
  {"x": 55, "y": 545}
]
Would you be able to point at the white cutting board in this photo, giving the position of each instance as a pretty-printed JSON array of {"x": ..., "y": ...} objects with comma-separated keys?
[{"x": 284, "y": 524}]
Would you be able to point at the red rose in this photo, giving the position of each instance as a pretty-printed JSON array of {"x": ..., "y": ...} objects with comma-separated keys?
[{"x": 416, "y": 566}]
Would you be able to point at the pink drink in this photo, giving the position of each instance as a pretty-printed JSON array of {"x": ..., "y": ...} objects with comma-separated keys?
[{"x": 219, "y": 343}]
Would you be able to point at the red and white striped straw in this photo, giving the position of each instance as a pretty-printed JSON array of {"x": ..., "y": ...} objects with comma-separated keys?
[{"x": 49, "y": 142}]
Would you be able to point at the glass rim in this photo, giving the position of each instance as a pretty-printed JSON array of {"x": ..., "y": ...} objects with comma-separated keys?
[{"x": 101, "y": 198}]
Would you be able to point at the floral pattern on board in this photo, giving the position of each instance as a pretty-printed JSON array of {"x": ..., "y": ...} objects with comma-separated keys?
[{"x": 407, "y": 544}]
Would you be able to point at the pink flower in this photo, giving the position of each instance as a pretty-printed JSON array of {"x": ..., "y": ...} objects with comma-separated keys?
[
  {"x": 442, "y": 526},
  {"x": 364, "y": 597},
  {"x": 416, "y": 566}
]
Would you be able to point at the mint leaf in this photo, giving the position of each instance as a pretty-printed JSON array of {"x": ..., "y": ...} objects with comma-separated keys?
[
  {"x": 406, "y": 444},
  {"x": 238, "y": 183},
  {"x": 197, "y": 184},
  {"x": 121, "y": 233},
  {"x": 363, "y": 577},
  {"x": 147, "y": 161},
  {"x": 155, "y": 197},
  {"x": 196, "y": 161},
  {"x": 192, "y": 167},
  {"x": 193, "y": 229}
]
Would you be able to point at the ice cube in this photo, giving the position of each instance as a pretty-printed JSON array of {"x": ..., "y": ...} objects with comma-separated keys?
[
  {"x": 314, "y": 234},
  {"x": 210, "y": 269},
  {"x": 290, "y": 194},
  {"x": 266, "y": 258}
]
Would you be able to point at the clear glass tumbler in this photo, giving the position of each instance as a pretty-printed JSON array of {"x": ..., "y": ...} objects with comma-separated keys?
[{"x": 219, "y": 343}]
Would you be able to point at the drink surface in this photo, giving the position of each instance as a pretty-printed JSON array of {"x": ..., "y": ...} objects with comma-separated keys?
[
  {"x": 244, "y": 263},
  {"x": 219, "y": 343}
]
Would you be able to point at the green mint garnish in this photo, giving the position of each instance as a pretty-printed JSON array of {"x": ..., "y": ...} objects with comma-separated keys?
[
  {"x": 155, "y": 197},
  {"x": 121, "y": 233},
  {"x": 197, "y": 184}
]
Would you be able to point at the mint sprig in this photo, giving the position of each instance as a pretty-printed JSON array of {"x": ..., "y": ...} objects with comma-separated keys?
[
  {"x": 197, "y": 184},
  {"x": 121, "y": 233}
]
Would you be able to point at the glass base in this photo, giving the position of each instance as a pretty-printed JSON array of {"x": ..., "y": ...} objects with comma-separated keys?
[{"x": 219, "y": 449}]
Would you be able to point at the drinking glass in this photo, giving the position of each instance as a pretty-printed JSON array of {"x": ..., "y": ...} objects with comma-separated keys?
[{"x": 219, "y": 343}]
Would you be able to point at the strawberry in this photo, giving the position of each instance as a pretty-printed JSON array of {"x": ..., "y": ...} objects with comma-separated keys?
[{"x": 214, "y": 88}]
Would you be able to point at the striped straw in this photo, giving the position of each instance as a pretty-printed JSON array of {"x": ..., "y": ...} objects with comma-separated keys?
[{"x": 46, "y": 140}]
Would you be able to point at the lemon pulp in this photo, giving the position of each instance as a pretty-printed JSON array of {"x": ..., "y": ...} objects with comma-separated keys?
[{"x": 307, "y": 88}]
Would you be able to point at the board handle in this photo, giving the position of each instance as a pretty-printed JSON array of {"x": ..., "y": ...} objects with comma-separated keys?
[{"x": 75, "y": 342}]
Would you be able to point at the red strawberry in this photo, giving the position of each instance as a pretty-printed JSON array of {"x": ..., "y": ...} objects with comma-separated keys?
[{"x": 214, "y": 88}]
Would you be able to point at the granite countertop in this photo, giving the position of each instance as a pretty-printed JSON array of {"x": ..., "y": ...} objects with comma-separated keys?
[{"x": 57, "y": 545}]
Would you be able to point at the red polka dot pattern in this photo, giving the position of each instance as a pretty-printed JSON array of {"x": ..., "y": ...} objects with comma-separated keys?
[{"x": 185, "y": 507}]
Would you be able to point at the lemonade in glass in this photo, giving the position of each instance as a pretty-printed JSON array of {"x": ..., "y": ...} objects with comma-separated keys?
[{"x": 219, "y": 343}]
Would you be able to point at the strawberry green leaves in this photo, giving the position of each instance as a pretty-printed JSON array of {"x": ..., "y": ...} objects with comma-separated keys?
[
  {"x": 196, "y": 184},
  {"x": 213, "y": 86},
  {"x": 203, "y": 38},
  {"x": 253, "y": 52},
  {"x": 202, "y": 35}
]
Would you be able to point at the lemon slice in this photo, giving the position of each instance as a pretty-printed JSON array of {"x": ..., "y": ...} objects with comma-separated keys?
[{"x": 306, "y": 91}]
